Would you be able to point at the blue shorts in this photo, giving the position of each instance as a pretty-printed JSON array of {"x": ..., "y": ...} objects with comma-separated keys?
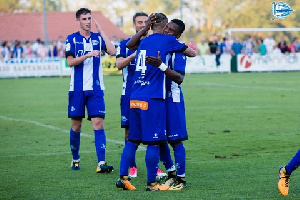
[
  {"x": 176, "y": 122},
  {"x": 125, "y": 108},
  {"x": 93, "y": 100},
  {"x": 148, "y": 121}
]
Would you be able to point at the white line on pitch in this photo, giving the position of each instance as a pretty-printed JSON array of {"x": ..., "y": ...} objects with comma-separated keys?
[
  {"x": 249, "y": 87},
  {"x": 62, "y": 130}
]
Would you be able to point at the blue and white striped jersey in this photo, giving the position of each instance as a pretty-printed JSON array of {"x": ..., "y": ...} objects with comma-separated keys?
[
  {"x": 176, "y": 62},
  {"x": 128, "y": 71},
  {"x": 88, "y": 75},
  {"x": 149, "y": 81}
]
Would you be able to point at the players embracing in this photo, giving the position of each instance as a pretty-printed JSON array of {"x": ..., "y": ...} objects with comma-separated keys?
[{"x": 147, "y": 101}]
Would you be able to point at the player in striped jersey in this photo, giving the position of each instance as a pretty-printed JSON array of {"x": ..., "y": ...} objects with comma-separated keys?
[
  {"x": 147, "y": 105},
  {"x": 83, "y": 53}
]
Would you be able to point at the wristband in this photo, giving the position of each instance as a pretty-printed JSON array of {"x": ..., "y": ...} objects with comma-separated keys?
[{"x": 163, "y": 67}]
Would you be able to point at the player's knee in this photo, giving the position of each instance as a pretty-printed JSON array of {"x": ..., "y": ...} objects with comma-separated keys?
[
  {"x": 175, "y": 144},
  {"x": 97, "y": 123},
  {"x": 76, "y": 128}
]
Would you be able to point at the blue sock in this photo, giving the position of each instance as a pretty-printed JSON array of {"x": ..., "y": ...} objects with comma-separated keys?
[
  {"x": 75, "y": 144},
  {"x": 133, "y": 164},
  {"x": 180, "y": 159},
  {"x": 127, "y": 157},
  {"x": 100, "y": 144},
  {"x": 165, "y": 156},
  {"x": 151, "y": 159},
  {"x": 293, "y": 164}
]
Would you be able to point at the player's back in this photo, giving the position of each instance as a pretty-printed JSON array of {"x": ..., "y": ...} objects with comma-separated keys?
[{"x": 149, "y": 81}]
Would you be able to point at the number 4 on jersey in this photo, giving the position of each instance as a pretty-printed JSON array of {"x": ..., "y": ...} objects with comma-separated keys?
[{"x": 141, "y": 63}]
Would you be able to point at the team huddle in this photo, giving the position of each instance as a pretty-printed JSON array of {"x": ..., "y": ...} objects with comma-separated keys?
[{"x": 153, "y": 63}]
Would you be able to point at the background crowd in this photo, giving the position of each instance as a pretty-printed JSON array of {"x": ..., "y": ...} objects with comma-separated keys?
[{"x": 215, "y": 46}]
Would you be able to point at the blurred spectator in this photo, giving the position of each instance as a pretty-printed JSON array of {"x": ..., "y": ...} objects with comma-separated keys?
[
  {"x": 42, "y": 50},
  {"x": 27, "y": 50},
  {"x": 18, "y": 51},
  {"x": 35, "y": 47},
  {"x": 192, "y": 44},
  {"x": 282, "y": 44},
  {"x": 276, "y": 51},
  {"x": 269, "y": 42},
  {"x": 262, "y": 49},
  {"x": 285, "y": 49},
  {"x": 61, "y": 45},
  {"x": 222, "y": 46},
  {"x": 214, "y": 49},
  {"x": 297, "y": 46},
  {"x": 202, "y": 47},
  {"x": 248, "y": 46},
  {"x": 236, "y": 47},
  {"x": 228, "y": 44},
  {"x": 53, "y": 49},
  {"x": 292, "y": 47},
  {"x": 6, "y": 51}
]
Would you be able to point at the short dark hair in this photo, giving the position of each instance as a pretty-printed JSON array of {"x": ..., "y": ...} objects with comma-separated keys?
[
  {"x": 180, "y": 24},
  {"x": 140, "y": 13},
  {"x": 82, "y": 11},
  {"x": 160, "y": 20}
]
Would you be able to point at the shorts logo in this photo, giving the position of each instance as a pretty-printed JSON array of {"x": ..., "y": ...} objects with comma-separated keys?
[
  {"x": 143, "y": 105},
  {"x": 72, "y": 108}
]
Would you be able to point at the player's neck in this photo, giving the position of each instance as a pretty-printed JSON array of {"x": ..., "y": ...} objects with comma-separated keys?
[{"x": 85, "y": 34}]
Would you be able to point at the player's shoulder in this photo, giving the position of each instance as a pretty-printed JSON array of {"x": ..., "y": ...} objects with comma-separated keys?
[
  {"x": 73, "y": 35},
  {"x": 123, "y": 42}
]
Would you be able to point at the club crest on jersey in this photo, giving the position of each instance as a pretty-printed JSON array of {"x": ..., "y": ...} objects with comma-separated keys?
[
  {"x": 68, "y": 47},
  {"x": 95, "y": 42},
  {"x": 281, "y": 10}
]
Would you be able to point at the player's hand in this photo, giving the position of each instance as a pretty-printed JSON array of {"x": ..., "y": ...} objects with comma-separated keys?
[
  {"x": 133, "y": 55},
  {"x": 155, "y": 61},
  {"x": 95, "y": 53},
  {"x": 97, "y": 24},
  {"x": 150, "y": 21}
]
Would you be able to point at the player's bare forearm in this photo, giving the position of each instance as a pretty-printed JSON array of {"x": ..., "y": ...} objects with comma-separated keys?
[
  {"x": 174, "y": 76},
  {"x": 110, "y": 48},
  {"x": 76, "y": 61},
  {"x": 171, "y": 74},
  {"x": 190, "y": 52},
  {"x": 123, "y": 62},
  {"x": 132, "y": 44}
]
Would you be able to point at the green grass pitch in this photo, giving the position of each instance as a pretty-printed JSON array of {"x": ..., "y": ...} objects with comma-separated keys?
[{"x": 242, "y": 127}]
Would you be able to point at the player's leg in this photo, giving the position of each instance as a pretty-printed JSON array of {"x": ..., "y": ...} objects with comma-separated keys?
[
  {"x": 128, "y": 154},
  {"x": 285, "y": 172},
  {"x": 165, "y": 157},
  {"x": 180, "y": 160},
  {"x": 96, "y": 113},
  {"x": 153, "y": 119},
  {"x": 76, "y": 111},
  {"x": 125, "y": 108},
  {"x": 75, "y": 143},
  {"x": 177, "y": 132}
]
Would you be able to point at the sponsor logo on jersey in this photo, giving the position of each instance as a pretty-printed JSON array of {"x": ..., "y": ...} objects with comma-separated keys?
[{"x": 143, "y": 105}]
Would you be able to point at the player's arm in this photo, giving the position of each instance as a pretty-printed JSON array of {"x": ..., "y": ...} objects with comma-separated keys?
[
  {"x": 190, "y": 52},
  {"x": 72, "y": 61},
  {"x": 110, "y": 48},
  {"x": 173, "y": 75},
  {"x": 134, "y": 41},
  {"x": 123, "y": 62}
]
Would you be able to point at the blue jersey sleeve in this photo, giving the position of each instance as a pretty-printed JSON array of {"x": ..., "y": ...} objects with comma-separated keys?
[
  {"x": 70, "y": 46},
  {"x": 179, "y": 62},
  {"x": 175, "y": 45},
  {"x": 122, "y": 49}
]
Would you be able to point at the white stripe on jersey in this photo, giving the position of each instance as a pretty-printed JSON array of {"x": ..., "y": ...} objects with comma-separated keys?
[
  {"x": 87, "y": 66},
  {"x": 100, "y": 68},
  {"x": 125, "y": 75},
  {"x": 175, "y": 90}
]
